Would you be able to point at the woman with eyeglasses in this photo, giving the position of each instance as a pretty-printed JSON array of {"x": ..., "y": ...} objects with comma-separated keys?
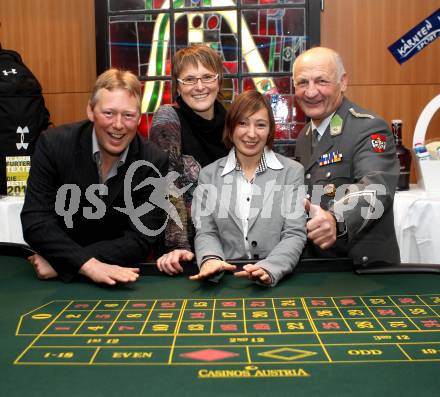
[{"x": 191, "y": 132}]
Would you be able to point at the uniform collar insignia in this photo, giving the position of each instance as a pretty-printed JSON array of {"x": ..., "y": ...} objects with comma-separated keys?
[{"x": 335, "y": 125}]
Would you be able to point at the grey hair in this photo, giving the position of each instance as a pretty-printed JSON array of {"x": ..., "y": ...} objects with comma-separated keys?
[{"x": 340, "y": 69}]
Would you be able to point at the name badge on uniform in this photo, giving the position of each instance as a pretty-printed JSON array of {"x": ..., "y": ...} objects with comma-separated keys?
[
  {"x": 335, "y": 125},
  {"x": 330, "y": 158}
]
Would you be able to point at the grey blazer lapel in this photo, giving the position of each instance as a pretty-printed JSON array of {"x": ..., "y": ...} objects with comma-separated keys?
[
  {"x": 265, "y": 183},
  {"x": 304, "y": 145},
  {"x": 323, "y": 146},
  {"x": 227, "y": 202},
  {"x": 328, "y": 140}
]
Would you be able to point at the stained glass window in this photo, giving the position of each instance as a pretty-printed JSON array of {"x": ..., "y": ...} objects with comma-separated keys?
[{"x": 258, "y": 40}]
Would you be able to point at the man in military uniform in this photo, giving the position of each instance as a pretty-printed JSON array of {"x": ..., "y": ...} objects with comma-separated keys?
[{"x": 350, "y": 163}]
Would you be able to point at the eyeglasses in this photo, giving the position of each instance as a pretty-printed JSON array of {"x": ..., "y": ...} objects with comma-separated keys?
[{"x": 206, "y": 79}]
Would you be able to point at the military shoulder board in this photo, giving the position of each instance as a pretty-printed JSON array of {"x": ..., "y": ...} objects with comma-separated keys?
[{"x": 360, "y": 115}]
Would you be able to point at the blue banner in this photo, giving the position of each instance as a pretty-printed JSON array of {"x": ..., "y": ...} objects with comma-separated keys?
[{"x": 417, "y": 38}]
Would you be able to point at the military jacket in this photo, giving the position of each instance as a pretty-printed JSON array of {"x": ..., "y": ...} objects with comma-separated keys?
[{"x": 353, "y": 172}]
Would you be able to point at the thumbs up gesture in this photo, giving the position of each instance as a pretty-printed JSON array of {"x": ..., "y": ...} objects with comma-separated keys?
[{"x": 321, "y": 226}]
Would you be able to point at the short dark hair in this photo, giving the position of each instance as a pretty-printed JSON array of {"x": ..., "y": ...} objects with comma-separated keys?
[
  {"x": 207, "y": 57},
  {"x": 244, "y": 105}
]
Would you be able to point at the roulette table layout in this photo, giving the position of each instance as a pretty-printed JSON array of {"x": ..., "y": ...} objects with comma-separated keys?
[{"x": 328, "y": 332}]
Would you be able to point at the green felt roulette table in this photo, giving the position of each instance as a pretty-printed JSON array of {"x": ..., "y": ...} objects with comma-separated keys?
[{"x": 326, "y": 333}]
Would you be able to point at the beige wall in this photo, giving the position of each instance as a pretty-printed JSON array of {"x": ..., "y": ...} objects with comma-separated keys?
[
  {"x": 57, "y": 40},
  {"x": 361, "y": 31}
]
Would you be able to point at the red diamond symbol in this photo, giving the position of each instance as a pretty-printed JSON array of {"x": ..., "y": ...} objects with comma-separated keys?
[{"x": 208, "y": 355}]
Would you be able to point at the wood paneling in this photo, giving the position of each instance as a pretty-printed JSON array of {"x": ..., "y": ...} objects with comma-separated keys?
[
  {"x": 404, "y": 102},
  {"x": 361, "y": 31},
  {"x": 67, "y": 108},
  {"x": 56, "y": 39}
]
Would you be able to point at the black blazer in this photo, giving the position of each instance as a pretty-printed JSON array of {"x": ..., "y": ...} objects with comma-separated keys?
[{"x": 64, "y": 156}]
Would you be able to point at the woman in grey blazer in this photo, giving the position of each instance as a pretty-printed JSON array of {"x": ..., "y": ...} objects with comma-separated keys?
[{"x": 249, "y": 203}]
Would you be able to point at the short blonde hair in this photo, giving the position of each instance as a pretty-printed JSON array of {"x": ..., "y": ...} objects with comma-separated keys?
[
  {"x": 245, "y": 105},
  {"x": 207, "y": 57},
  {"x": 116, "y": 79}
]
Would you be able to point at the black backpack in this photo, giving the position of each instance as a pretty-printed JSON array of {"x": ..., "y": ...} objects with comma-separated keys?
[{"x": 23, "y": 114}]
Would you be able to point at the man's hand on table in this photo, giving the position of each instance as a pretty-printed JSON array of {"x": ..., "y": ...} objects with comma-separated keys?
[
  {"x": 101, "y": 272},
  {"x": 42, "y": 267}
]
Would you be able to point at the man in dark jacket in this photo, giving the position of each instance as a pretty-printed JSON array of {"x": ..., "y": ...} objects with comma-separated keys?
[
  {"x": 350, "y": 163},
  {"x": 82, "y": 207}
]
